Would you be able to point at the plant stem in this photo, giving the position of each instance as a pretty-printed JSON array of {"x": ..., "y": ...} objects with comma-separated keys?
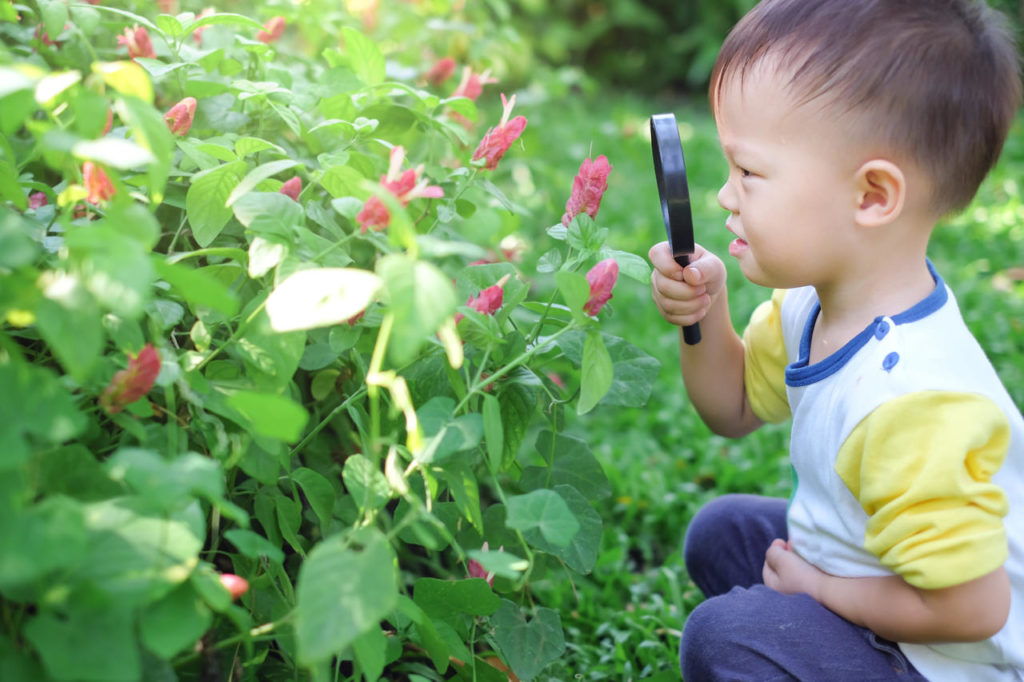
[
  {"x": 523, "y": 357},
  {"x": 234, "y": 336},
  {"x": 323, "y": 422}
]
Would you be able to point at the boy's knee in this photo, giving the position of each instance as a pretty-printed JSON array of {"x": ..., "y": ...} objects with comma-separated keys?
[
  {"x": 710, "y": 638},
  {"x": 712, "y": 522}
]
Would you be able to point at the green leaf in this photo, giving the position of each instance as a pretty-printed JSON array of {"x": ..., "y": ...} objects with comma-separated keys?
[
  {"x": 529, "y": 645},
  {"x": 113, "y": 267},
  {"x": 319, "y": 492},
  {"x": 273, "y": 416},
  {"x": 320, "y": 297},
  {"x": 169, "y": 484},
  {"x": 494, "y": 436},
  {"x": 244, "y": 146},
  {"x": 429, "y": 638},
  {"x": 575, "y": 290},
  {"x": 446, "y": 598},
  {"x": 174, "y": 623},
  {"x": 597, "y": 372},
  {"x": 500, "y": 562},
  {"x": 206, "y": 200},
  {"x": 364, "y": 56},
  {"x": 420, "y": 296},
  {"x": 342, "y": 593},
  {"x": 545, "y": 511},
  {"x": 71, "y": 470},
  {"x": 48, "y": 536},
  {"x": 114, "y": 152},
  {"x": 69, "y": 320},
  {"x": 462, "y": 483},
  {"x": 197, "y": 286},
  {"x": 270, "y": 213},
  {"x": 365, "y": 483},
  {"x": 258, "y": 175},
  {"x": 581, "y": 553},
  {"x": 630, "y": 264},
  {"x": 35, "y": 402},
  {"x": 96, "y": 645},
  {"x": 150, "y": 131},
  {"x": 270, "y": 357},
  {"x": 572, "y": 463},
  {"x": 127, "y": 78},
  {"x": 54, "y": 16},
  {"x": 634, "y": 370},
  {"x": 254, "y": 545},
  {"x": 370, "y": 649}
]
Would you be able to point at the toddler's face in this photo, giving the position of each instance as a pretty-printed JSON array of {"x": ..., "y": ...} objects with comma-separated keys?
[{"x": 790, "y": 191}]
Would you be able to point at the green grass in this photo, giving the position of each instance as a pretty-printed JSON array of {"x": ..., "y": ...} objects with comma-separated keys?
[{"x": 623, "y": 620}]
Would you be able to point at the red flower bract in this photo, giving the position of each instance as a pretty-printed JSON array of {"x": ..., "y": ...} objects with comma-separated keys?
[
  {"x": 601, "y": 279},
  {"x": 472, "y": 84},
  {"x": 587, "y": 189},
  {"x": 138, "y": 42},
  {"x": 497, "y": 140},
  {"x": 406, "y": 186},
  {"x": 179, "y": 117},
  {"x": 234, "y": 584},
  {"x": 441, "y": 71},
  {"x": 292, "y": 188},
  {"x": 488, "y": 301},
  {"x": 272, "y": 30},
  {"x": 130, "y": 384},
  {"x": 37, "y": 200},
  {"x": 96, "y": 182}
]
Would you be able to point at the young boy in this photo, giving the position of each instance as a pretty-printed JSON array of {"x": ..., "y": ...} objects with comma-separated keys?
[{"x": 850, "y": 128}]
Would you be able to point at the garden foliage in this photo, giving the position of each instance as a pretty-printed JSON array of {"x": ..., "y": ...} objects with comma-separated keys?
[{"x": 277, "y": 400}]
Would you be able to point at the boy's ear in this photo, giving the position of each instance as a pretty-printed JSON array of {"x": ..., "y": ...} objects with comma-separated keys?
[{"x": 881, "y": 192}]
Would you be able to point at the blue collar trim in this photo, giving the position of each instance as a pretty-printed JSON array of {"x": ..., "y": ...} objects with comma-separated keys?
[{"x": 802, "y": 373}]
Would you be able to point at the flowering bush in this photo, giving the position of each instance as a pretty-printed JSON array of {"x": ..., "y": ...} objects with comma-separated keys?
[{"x": 247, "y": 429}]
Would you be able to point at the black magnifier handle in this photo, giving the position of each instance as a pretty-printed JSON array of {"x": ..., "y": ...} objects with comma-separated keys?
[{"x": 670, "y": 171}]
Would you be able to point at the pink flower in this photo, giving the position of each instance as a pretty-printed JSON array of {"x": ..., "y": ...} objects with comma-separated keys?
[
  {"x": 167, "y": 6},
  {"x": 587, "y": 189},
  {"x": 138, "y": 42},
  {"x": 37, "y": 200},
  {"x": 497, "y": 140},
  {"x": 601, "y": 279},
  {"x": 179, "y": 118},
  {"x": 472, "y": 84},
  {"x": 110, "y": 121},
  {"x": 234, "y": 584},
  {"x": 488, "y": 301},
  {"x": 476, "y": 569},
  {"x": 197, "y": 35},
  {"x": 272, "y": 30},
  {"x": 406, "y": 186},
  {"x": 441, "y": 71},
  {"x": 128, "y": 385},
  {"x": 292, "y": 188},
  {"x": 96, "y": 182}
]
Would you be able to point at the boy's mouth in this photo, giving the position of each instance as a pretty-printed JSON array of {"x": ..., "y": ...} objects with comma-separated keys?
[{"x": 738, "y": 247}]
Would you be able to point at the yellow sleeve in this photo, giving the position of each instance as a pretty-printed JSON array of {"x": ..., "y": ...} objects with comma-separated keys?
[
  {"x": 765, "y": 361},
  {"x": 921, "y": 466}
]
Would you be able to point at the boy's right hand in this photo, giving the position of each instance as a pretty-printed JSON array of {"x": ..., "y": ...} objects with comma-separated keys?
[{"x": 684, "y": 295}]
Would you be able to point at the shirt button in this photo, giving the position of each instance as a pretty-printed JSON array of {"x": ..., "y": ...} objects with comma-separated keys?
[
  {"x": 881, "y": 329},
  {"x": 890, "y": 361}
]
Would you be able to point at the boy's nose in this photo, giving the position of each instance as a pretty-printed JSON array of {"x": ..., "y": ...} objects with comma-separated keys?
[{"x": 727, "y": 198}]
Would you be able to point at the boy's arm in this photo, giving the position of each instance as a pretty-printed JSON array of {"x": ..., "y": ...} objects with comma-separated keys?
[
  {"x": 712, "y": 369},
  {"x": 891, "y": 607}
]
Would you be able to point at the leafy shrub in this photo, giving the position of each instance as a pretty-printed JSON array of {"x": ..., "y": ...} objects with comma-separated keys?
[
  {"x": 647, "y": 45},
  {"x": 248, "y": 427}
]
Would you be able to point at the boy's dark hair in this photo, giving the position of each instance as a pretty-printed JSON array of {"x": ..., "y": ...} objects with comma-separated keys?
[{"x": 937, "y": 81}]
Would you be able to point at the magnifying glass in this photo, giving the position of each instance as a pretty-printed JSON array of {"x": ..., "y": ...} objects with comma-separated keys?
[{"x": 670, "y": 169}]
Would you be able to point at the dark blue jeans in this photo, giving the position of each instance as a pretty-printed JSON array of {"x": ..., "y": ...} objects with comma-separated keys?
[{"x": 747, "y": 631}]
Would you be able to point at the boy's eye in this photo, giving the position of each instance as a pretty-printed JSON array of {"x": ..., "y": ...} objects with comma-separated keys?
[{"x": 745, "y": 173}]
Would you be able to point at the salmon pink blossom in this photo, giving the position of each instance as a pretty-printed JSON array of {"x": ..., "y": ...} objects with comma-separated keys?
[
  {"x": 292, "y": 188},
  {"x": 441, "y": 71},
  {"x": 587, "y": 189},
  {"x": 601, "y": 279},
  {"x": 128, "y": 385},
  {"x": 179, "y": 118},
  {"x": 37, "y": 200},
  {"x": 488, "y": 301},
  {"x": 234, "y": 584},
  {"x": 272, "y": 30},
  {"x": 138, "y": 42},
  {"x": 406, "y": 186},
  {"x": 497, "y": 140},
  {"x": 472, "y": 84},
  {"x": 97, "y": 184}
]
